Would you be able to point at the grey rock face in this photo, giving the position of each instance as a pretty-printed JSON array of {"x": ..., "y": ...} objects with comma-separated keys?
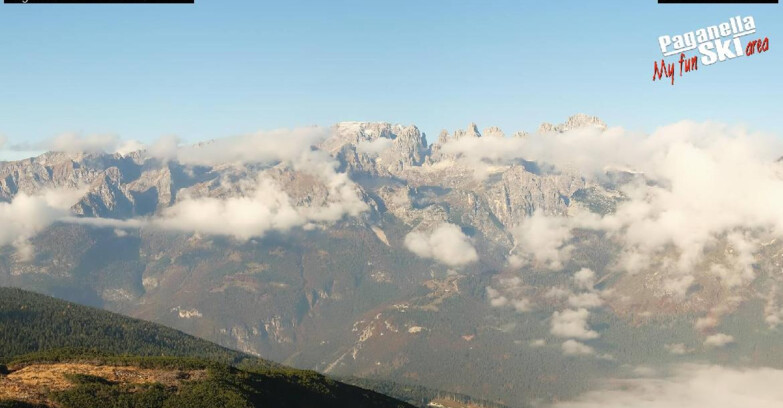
[
  {"x": 376, "y": 148},
  {"x": 397, "y": 173}
]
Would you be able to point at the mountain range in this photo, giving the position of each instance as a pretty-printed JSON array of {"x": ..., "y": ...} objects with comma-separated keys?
[{"x": 516, "y": 269}]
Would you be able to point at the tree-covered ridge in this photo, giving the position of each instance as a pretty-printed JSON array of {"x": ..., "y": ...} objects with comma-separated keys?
[
  {"x": 37, "y": 329},
  {"x": 30, "y": 322}
]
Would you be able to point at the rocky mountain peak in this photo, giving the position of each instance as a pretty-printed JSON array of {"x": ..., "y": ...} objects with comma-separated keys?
[
  {"x": 494, "y": 131},
  {"x": 411, "y": 135},
  {"x": 376, "y": 148},
  {"x": 580, "y": 120},
  {"x": 443, "y": 137},
  {"x": 473, "y": 130},
  {"x": 408, "y": 148},
  {"x": 470, "y": 131},
  {"x": 353, "y": 133}
]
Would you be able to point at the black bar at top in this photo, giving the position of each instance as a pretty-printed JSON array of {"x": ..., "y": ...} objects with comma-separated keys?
[
  {"x": 717, "y": 1},
  {"x": 98, "y": 1}
]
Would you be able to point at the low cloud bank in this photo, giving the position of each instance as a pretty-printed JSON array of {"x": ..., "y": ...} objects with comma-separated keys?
[
  {"x": 691, "y": 386},
  {"x": 689, "y": 187},
  {"x": 267, "y": 208},
  {"x": 27, "y": 215},
  {"x": 255, "y": 206}
]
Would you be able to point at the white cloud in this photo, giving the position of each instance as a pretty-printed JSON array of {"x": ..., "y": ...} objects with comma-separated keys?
[
  {"x": 587, "y": 300},
  {"x": 79, "y": 143},
  {"x": 129, "y": 146},
  {"x": 737, "y": 269},
  {"x": 510, "y": 292},
  {"x": 373, "y": 147},
  {"x": 498, "y": 301},
  {"x": 27, "y": 215},
  {"x": 543, "y": 239},
  {"x": 773, "y": 319},
  {"x": 691, "y": 386},
  {"x": 513, "y": 282},
  {"x": 495, "y": 298},
  {"x": 712, "y": 180},
  {"x": 698, "y": 184},
  {"x": 114, "y": 223},
  {"x": 282, "y": 145},
  {"x": 242, "y": 217},
  {"x": 584, "y": 279},
  {"x": 572, "y": 323},
  {"x": 257, "y": 206},
  {"x": 3, "y": 140},
  {"x": 255, "y": 213},
  {"x": 575, "y": 348},
  {"x": 446, "y": 244},
  {"x": 677, "y": 348},
  {"x": 678, "y": 286},
  {"x": 165, "y": 148},
  {"x": 76, "y": 143},
  {"x": 644, "y": 371},
  {"x": 585, "y": 150},
  {"x": 718, "y": 340},
  {"x": 773, "y": 313},
  {"x": 522, "y": 305},
  {"x": 705, "y": 323},
  {"x": 264, "y": 206},
  {"x": 557, "y": 293},
  {"x": 537, "y": 343}
]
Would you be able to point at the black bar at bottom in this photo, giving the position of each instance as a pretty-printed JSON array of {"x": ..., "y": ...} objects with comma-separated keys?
[
  {"x": 717, "y": 1},
  {"x": 98, "y": 1}
]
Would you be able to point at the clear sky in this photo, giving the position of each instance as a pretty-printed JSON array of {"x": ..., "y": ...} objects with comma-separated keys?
[{"x": 220, "y": 68}]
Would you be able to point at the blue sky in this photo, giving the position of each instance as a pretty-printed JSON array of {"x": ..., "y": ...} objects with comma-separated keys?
[{"x": 220, "y": 68}]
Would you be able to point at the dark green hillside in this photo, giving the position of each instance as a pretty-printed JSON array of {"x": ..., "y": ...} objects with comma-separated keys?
[
  {"x": 56, "y": 332},
  {"x": 30, "y": 322}
]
